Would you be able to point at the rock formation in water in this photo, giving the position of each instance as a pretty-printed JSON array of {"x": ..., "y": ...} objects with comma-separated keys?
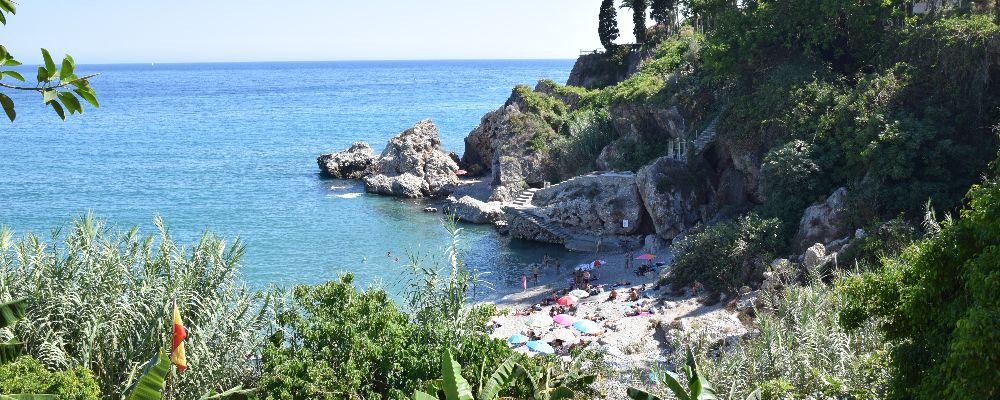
[
  {"x": 414, "y": 165},
  {"x": 354, "y": 163}
]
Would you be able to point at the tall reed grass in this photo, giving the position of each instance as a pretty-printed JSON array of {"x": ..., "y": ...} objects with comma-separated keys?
[{"x": 100, "y": 300}]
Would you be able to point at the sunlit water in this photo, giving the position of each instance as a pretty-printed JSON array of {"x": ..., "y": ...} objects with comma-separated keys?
[{"x": 231, "y": 148}]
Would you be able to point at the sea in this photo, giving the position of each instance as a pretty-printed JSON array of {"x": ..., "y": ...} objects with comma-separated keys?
[{"x": 231, "y": 148}]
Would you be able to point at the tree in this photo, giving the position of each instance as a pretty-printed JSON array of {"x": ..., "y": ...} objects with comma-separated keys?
[
  {"x": 662, "y": 10},
  {"x": 59, "y": 86},
  {"x": 607, "y": 27},
  {"x": 638, "y": 18}
]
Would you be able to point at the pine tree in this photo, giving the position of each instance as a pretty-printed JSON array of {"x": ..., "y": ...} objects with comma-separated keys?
[{"x": 607, "y": 27}]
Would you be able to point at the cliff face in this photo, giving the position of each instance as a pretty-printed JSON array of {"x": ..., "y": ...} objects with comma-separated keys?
[{"x": 599, "y": 70}]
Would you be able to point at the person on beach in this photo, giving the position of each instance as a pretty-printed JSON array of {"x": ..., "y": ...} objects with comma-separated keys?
[
  {"x": 628, "y": 260},
  {"x": 585, "y": 277},
  {"x": 613, "y": 296},
  {"x": 545, "y": 261},
  {"x": 557, "y": 265},
  {"x": 524, "y": 283},
  {"x": 534, "y": 272}
]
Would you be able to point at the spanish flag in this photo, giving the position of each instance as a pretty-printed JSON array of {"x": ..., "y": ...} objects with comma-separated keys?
[{"x": 177, "y": 344}]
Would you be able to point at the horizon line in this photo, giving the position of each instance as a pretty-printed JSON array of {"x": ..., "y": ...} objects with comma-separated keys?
[{"x": 317, "y": 61}]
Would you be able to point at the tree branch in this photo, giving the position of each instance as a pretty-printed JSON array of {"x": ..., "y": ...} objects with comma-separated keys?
[{"x": 44, "y": 88}]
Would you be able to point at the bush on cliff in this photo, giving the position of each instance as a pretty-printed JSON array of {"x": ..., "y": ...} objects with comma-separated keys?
[
  {"x": 727, "y": 255},
  {"x": 937, "y": 304}
]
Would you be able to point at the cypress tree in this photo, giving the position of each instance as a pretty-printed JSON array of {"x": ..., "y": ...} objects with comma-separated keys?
[
  {"x": 607, "y": 27},
  {"x": 661, "y": 10}
]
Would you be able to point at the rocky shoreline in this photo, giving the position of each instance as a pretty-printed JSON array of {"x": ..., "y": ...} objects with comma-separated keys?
[{"x": 504, "y": 180}]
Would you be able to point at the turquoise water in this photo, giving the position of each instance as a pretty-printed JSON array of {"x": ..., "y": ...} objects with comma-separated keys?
[{"x": 231, "y": 148}]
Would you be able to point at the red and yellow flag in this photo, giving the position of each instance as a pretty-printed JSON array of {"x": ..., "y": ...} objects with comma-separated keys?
[{"x": 177, "y": 344}]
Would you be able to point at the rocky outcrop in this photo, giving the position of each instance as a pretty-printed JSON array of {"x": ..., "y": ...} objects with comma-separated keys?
[
  {"x": 596, "y": 204},
  {"x": 673, "y": 194},
  {"x": 468, "y": 209},
  {"x": 597, "y": 70},
  {"x": 823, "y": 222},
  {"x": 501, "y": 145},
  {"x": 354, "y": 163},
  {"x": 414, "y": 164}
]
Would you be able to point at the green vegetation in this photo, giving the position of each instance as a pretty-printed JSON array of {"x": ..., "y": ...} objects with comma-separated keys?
[
  {"x": 27, "y": 375},
  {"x": 638, "y": 18},
  {"x": 607, "y": 28},
  {"x": 937, "y": 304},
  {"x": 59, "y": 86},
  {"x": 727, "y": 255},
  {"x": 100, "y": 301}
]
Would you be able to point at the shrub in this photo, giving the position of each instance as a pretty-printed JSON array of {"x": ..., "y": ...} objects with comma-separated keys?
[
  {"x": 100, "y": 301},
  {"x": 588, "y": 133},
  {"x": 883, "y": 242},
  {"x": 790, "y": 181},
  {"x": 727, "y": 255},
  {"x": 27, "y": 375},
  {"x": 938, "y": 304},
  {"x": 334, "y": 341}
]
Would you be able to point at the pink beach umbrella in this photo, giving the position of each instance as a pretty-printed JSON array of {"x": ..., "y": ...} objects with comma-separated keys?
[
  {"x": 564, "y": 319},
  {"x": 567, "y": 301}
]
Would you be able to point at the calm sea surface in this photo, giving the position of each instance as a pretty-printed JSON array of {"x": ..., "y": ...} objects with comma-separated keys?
[{"x": 231, "y": 148}]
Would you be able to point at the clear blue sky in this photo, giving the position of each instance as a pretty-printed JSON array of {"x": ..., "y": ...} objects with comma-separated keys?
[{"x": 122, "y": 31}]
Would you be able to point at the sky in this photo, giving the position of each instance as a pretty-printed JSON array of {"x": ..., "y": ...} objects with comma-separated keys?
[{"x": 141, "y": 31}]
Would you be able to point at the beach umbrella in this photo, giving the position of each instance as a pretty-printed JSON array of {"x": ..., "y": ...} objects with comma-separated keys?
[
  {"x": 567, "y": 300},
  {"x": 564, "y": 319},
  {"x": 646, "y": 256},
  {"x": 566, "y": 335},
  {"x": 598, "y": 263},
  {"x": 579, "y": 293},
  {"x": 587, "y": 327},
  {"x": 539, "y": 321},
  {"x": 540, "y": 347},
  {"x": 517, "y": 338},
  {"x": 461, "y": 172},
  {"x": 585, "y": 267}
]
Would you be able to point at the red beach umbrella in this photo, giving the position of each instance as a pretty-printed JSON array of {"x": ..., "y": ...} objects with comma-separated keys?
[{"x": 646, "y": 256}]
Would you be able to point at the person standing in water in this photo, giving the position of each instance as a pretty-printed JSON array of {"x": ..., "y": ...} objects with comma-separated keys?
[
  {"x": 534, "y": 272},
  {"x": 557, "y": 265},
  {"x": 524, "y": 283}
]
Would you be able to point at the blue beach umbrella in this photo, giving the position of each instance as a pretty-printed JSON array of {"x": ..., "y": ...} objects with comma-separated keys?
[
  {"x": 540, "y": 347},
  {"x": 517, "y": 339},
  {"x": 587, "y": 327}
]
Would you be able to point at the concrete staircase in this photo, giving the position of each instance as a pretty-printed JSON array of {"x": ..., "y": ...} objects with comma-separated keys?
[
  {"x": 575, "y": 241},
  {"x": 706, "y": 136}
]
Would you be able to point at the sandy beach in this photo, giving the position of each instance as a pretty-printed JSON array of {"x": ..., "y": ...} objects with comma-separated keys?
[{"x": 631, "y": 344}]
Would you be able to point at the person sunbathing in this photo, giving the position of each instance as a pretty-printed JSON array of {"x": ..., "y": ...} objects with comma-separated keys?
[
  {"x": 613, "y": 296},
  {"x": 633, "y": 295}
]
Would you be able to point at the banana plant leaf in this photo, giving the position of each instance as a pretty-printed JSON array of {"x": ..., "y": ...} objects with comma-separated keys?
[
  {"x": 150, "y": 383},
  {"x": 639, "y": 394},
  {"x": 455, "y": 385},
  {"x": 499, "y": 380},
  {"x": 12, "y": 312},
  {"x": 418, "y": 395},
  {"x": 10, "y": 351}
]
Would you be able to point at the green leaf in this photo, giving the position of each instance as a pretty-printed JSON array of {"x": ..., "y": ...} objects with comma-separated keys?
[
  {"x": 59, "y": 109},
  {"x": 71, "y": 103},
  {"x": 8, "y": 6},
  {"x": 701, "y": 389},
  {"x": 673, "y": 382},
  {"x": 43, "y": 75},
  {"x": 499, "y": 379},
  {"x": 87, "y": 95},
  {"x": 66, "y": 72},
  {"x": 639, "y": 394},
  {"x": 8, "y": 106},
  {"x": 455, "y": 385},
  {"x": 14, "y": 74},
  {"x": 48, "y": 95},
  {"x": 13, "y": 311},
  {"x": 755, "y": 395},
  {"x": 528, "y": 376},
  {"x": 29, "y": 397},
  {"x": 10, "y": 62},
  {"x": 150, "y": 384},
  {"x": 3, "y": 19},
  {"x": 418, "y": 395},
  {"x": 10, "y": 351},
  {"x": 561, "y": 393},
  {"x": 50, "y": 66}
]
